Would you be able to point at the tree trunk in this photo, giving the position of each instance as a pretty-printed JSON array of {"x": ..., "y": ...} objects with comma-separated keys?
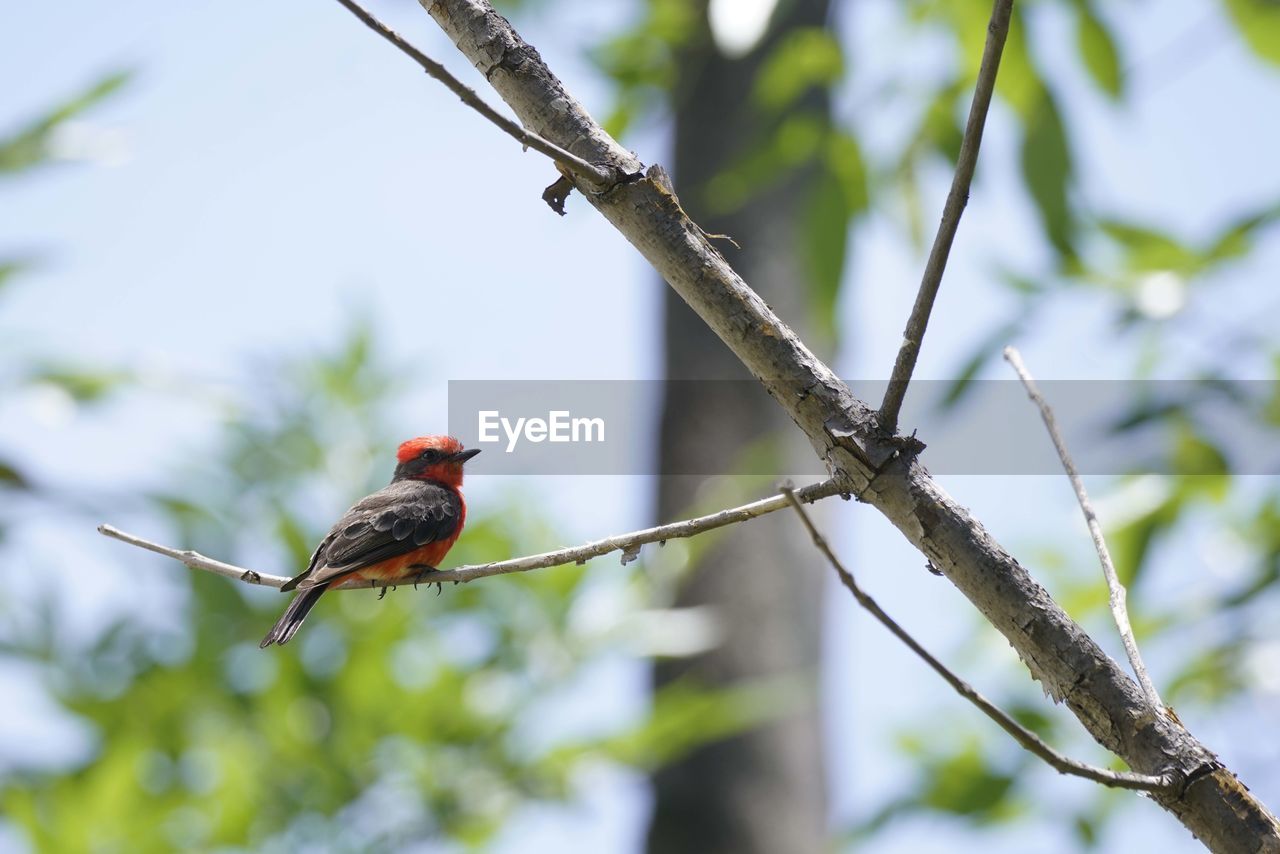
[{"x": 762, "y": 791}]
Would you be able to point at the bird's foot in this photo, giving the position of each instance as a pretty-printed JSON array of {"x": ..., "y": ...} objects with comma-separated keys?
[{"x": 422, "y": 572}]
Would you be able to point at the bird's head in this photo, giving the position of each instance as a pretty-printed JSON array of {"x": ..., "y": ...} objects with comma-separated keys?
[{"x": 438, "y": 458}]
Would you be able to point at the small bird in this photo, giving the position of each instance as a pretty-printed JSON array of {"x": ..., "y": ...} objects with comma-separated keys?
[{"x": 396, "y": 534}]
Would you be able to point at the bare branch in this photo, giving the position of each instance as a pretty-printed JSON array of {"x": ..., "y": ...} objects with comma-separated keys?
[
  {"x": 1119, "y": 610},
  {"x": 957, "y": 198},
  {"x": 195, "y": 560},
  {"x": 846, "y": 435},
  {"x": 628, "y": 544},
  {"x": 1022, "y": 735},
  {"x": 600, "y": 179}
]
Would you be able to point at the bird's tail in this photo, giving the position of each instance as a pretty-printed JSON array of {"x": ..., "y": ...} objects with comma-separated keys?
[{"x": 289, "y": 622}]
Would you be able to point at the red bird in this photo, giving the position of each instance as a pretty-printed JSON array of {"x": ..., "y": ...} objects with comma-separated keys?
[{"x": 395, "y": 534}]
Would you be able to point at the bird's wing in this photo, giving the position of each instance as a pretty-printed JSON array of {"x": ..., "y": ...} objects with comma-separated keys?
[{"x": 391, "y": 522}]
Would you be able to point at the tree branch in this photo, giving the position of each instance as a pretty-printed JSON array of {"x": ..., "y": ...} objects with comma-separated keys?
[
  {"x": 598, "y": 179},
  {"x": 195, "y": 560},
  {"x": 957, "y": 198},
  {"x": 628, "y": 544},
  {"x": 846, "y": 434},
  {"x": 882, "y": 470},
  {"x": 1022, "y": 735},
  {"x": 1119, "y": 610}
]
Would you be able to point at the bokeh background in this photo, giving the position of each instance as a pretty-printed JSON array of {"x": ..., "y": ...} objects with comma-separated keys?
[{"x": 244, "y": 247}]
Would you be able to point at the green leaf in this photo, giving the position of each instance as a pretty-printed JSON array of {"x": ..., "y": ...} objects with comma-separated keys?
[
  {"x": 1209, "y": 675},
  {"x": 1236, "y": 239},
  {"x": 1263, "y": 535},
  {"x": 29, "y": 147},
  {"x": 1259, "y": 24},
  {"x": 804, "y": 59},
  {"x": 982, "y": 354},
  {"x": 839, "y": 194},
  {"x": 1034, "y": 719},
  {"x": 11, "y": 268},
  {"x": 941, "y": 128},
  {"x": 1046, "y": 168},
  {"x": 1270, "y": 411},
  {"x": 1023, "y": 285},
  {"x": 1018, "y": 81},
  {"x": 84, "y": 385},
  {"x": 1201, "y": 465},
  {"x": 964, "y": 784},
  {"x": 12, "y": 477},
  {"x": 1146, "y": 411},
  {"x": 1131, "y": 542},
  {"x": 796, "y": 142},
  {"x": 182, "y": 511},
  {"x": 1149, "y": 250},
  {"x": 642, "y": 60},
  {"x": 1086, "y": 830},
  {"x": 1098, "y": 49}
]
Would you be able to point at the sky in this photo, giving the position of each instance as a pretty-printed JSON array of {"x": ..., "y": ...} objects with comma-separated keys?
[{"x": 274, "y": 170}]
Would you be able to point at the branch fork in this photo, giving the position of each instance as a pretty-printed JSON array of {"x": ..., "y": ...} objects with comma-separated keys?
[{"x": 1025, "y": 737}]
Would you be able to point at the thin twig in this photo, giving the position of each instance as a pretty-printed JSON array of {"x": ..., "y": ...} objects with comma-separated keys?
[
  {"x": 1024, "y": 736},
  {"x": 957, "y": 198},
  {"x": 1119, "y": 609},
  {"x": 596, "y": 176},
  {"x": 628, "y": 544}
]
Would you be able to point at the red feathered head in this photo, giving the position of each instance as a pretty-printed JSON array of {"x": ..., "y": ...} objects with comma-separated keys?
[{"x": 438, "y": 458}]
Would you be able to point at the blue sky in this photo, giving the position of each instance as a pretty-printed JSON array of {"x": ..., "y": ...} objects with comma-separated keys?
[{"x": 274, "y": 169}]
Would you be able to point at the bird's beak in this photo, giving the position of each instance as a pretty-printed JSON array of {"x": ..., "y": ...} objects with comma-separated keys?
[{"x": 463, "y": 456}]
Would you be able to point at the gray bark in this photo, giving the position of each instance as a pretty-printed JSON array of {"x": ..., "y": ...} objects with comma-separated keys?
[
  {"x": 762, "y": 791},
  {"x": 1214, "y": 804}
]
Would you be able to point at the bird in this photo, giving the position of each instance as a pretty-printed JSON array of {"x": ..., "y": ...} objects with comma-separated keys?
[{"x": 398, "y": 533}]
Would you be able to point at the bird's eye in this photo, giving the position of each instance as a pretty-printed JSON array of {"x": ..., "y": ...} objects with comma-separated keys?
[{"x": 428, "y": 455}]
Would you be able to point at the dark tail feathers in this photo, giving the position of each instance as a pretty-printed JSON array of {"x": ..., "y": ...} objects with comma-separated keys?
[{"x": 289, "y": 622}]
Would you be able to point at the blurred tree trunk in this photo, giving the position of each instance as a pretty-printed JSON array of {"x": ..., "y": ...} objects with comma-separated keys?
[{"x": 764, "y": 791}]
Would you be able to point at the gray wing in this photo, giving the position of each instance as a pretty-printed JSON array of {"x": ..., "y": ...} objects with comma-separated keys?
[{"x": 391, "y": 522}]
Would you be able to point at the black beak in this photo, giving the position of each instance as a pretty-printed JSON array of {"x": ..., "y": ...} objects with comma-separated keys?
[{"x": 463, "y": 456}]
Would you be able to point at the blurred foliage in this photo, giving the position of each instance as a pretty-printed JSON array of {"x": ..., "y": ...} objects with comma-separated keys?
[
  {"x": 10, "y": 269},
  {"x": 1147, "y": 275},
  {"x": 1099, "y": 50},
  {"x": 30, "y": 146},
  {"x": 386, "y": 722},
  {"x": 803, "y": 59},
  {"x": 642, "y": 62},
  {"x": 1258, "y": 22},
  {"x": 23, "y": 152},
  {"x": 963, "y": 783},
  {"x": 419, "y": 718}
]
